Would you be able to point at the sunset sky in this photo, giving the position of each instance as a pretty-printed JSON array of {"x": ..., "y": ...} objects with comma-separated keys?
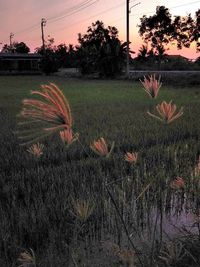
[{"x": 65, "y": 19}]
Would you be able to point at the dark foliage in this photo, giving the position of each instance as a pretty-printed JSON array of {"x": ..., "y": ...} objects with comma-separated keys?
[
  {"x": 49, "y": 63},
  {"x": 101, "y": 51},
  {"x": 65, "y": 55},
  {"x": 16, "y": 47},
  {"x": 161, "y": 29}
]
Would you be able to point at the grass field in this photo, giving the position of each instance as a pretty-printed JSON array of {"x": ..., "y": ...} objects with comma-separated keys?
[{"x": 38, "y": 195}]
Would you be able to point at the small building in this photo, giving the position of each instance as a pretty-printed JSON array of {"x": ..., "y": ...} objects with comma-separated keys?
[{"x": 20, "y": 63}]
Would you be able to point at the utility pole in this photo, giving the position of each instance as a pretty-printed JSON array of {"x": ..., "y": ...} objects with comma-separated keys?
[
  {"x": 43, "y": 23},
  {"x": 127, "y": 38},
  {"x": 11, "y": 36},
  {"x": 128, "y": 11}
]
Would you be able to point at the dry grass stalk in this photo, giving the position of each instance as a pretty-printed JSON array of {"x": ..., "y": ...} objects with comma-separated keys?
[
  {"x": 131, "y": 157},
  {"x": 68, "y": 137},
  {"x": 83, "y": 209},
  {"x": 178, "y": 183},
  {"x": 100, "y": 147},
  {"x": 27, "y": 259},
  {"x": 53, "y": 111},
  {"x": 143, "y": 191},
  {"x": 36, "y": 150},
  {"x": 167, "y": 112},
  {"x": 151, "y": 85}
]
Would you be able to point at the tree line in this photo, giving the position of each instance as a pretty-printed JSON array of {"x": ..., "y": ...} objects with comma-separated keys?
[{"x": 100, "y": 51}]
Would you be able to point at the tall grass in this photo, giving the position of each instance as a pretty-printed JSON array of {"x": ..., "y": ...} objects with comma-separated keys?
[{"x": 38, "y": 196}]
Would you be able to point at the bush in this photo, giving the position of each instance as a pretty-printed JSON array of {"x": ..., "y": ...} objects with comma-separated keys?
[{"x": 49, "y": 64}]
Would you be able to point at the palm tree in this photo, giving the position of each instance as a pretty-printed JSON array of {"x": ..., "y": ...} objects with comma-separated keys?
[
  {"x": 143, "y": 52},
  {"x": 112, "y": 57}
]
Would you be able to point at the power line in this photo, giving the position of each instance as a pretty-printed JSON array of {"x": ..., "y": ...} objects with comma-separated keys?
[
  {"x": 110, "y": 9},
  {"x": 74, "y": 9},
  {"x": 72, "y": 13},
  {"x": 86, "y": 19},
  {"x": 94, "y": 16},
  {"x": 186, "y": 4},
  {"x": 173, "y": 7},
  {"x": 58, "y": 17},
  {"x": 31, "y": 28}
]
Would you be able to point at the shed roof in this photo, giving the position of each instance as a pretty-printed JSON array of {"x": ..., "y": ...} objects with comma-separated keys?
[{"x": 18, "y": 56}]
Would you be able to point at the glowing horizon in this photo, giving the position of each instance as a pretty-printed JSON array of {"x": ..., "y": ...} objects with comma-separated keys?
[{"x": 23, "y": 19}]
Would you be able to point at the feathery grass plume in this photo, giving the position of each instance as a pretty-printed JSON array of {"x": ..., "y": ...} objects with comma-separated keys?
[
  {"x": 131, "y": 157},
  {"x": 27, "y": 258},
  {"x": 151, "y": 85},
  {"x": 83, "y": 209},
  {"x": 100, "y": 147},
  {"x": 45, "y": 116},
  {"x": 68, "y": 137},
  {"x": 178, "y": 183},
  {"x": 36, "y": 150},
  {"x": 167, "y": 112}
]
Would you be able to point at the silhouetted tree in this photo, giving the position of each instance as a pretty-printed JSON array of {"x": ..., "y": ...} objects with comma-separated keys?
[
  {"x": 21, "y": 48},
  {"x": 161, "y": 29},
  {"x": 182, "y": 30},
  {"x": 195, "y": 36},
  {"x": 49, "y": 47},
  {"x": 101, "y": 51},
  {"x": 61, "y": 54},
  {"x": 7, "y": 49},
  {"x": 142, "y": 53},
  {"x": 16, "y": 47},
  {"x": 157, "y": 29},
  {"x": 197, "y": 61},
  {"x": 49, "y": 62},
  {"x": 187, "y": 30},
  {"x": 66, "y": 55}
]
